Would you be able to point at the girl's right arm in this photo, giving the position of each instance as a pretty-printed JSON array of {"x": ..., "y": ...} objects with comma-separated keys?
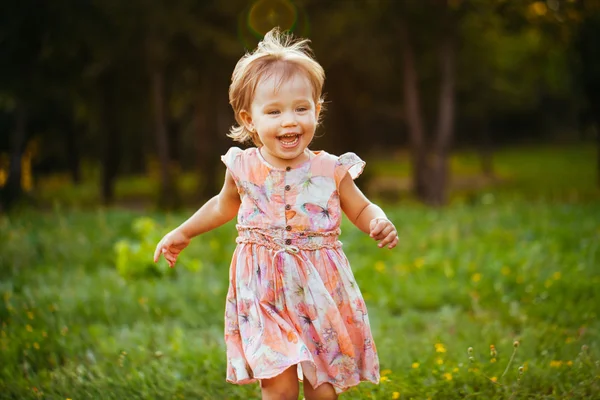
[{"x": 217, "y": 211}]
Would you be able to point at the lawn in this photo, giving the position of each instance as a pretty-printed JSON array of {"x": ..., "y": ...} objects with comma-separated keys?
[{"x": 493, "y": 297}]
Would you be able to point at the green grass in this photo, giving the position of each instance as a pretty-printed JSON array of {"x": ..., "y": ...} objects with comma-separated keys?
[{"x": 494, "y": 267}]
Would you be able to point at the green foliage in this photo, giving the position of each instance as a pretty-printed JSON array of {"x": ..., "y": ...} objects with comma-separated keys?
[
  {"x": 133, "y": 257},
  {"x": 497, "y": 267}
]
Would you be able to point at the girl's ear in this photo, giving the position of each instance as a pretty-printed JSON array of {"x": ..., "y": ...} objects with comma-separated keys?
[{"x": 247, "y": 120}]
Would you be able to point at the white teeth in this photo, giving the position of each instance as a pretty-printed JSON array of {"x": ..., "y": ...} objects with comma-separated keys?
[{"x": 289, "y": 140}]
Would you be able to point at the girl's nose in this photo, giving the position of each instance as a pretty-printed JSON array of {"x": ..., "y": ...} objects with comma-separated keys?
[{"x": 289, "y": 119}]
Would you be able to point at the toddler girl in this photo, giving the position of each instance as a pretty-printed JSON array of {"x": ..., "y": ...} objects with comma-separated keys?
[{"x": 293, "y": 307}]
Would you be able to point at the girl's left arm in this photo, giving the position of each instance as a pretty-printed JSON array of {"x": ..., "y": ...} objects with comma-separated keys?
[{"x": 367, "y": 216}]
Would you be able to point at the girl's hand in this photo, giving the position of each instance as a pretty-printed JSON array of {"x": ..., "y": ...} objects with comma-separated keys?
[
  {"x": 383, "y": 229},
  {"x": 170, "y": 246}
]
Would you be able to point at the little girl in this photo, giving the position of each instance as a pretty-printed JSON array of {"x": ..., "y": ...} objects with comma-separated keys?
[{"x": 293, "y": 307}]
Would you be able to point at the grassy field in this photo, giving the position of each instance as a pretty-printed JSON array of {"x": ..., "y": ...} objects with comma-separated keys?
[{"x": 494, "y": 297}]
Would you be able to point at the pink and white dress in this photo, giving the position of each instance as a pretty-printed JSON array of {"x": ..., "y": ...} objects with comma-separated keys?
[{"x": 292, "y": 296}]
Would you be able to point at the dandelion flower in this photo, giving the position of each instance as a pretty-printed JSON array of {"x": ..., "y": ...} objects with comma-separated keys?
[
  {"x": 570, "y": 363},
  {"x": 396, "y": 395},
  {"x": 36, "y": 345},
  {"x": 556, "y": 364},
  {"x": 419, "y": 262},
  {"x": 439, "y": 348},
  {"x": 439, "y": 361},
  {"x": 29, "y": 328},
  {"x": 556, "y": 276},
  {"x": 476, "y": 277},
  {"x": 384, "y": 379},
  {"x": 380, "y": 266},
  {"x": 415, "y": 365},
  {"x": 447, "y": 376},
  {"x": 494, "y": 379}
]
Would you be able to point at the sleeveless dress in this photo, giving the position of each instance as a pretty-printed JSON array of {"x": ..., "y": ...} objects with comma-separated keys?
[{"x": 292, "y": 297}]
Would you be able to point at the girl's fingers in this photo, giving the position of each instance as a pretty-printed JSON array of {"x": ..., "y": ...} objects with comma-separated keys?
[
  {"x": 158, "y": 250},
  {"x": 394, "y": 242},
  {"x": 385, "y": 232},
  {"x": 379, "y": 226},
  {"x": 389, "y": 238}
]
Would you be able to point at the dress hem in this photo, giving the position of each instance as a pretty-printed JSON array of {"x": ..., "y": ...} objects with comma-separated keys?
[{"x": 338, "y": 389}]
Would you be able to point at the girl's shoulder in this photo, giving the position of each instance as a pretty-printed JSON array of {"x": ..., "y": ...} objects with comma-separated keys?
[
  {"x": 340, "y": 165},
  {"x": 239, "y": 161}
]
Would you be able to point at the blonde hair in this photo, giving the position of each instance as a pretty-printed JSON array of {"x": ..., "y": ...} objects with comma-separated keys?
[{"x": 278, "y": 51}]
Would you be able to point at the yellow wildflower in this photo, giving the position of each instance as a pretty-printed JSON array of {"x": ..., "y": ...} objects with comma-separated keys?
[
  {"x": 384, "y": 379},
  {"x": 439, "y": 361},
  {"x": 455, "y": 370},
  {"x": 439, "y": 348},
  {"x": 380, "y": 266},
  {"x": 386, "y": 372},
  {"x": 29, "y": 315},
  {"x": 29, "y": 328},
  {"x": 447, "y": 376},
  {"x": 494, "y": 379},
  {"x": 505, "y": 271},
  {"x": 415, "y": 365},
  {"x": 476, "y": 277},
  {"x": 570, "y": 363},
  {"x": 556, "y": 364},
  {"x": 396, "y": 395},
  {"x": 419, "y": 262},
  {"x": 36, "y": 345},
  {"x": 493, "y": 360},
  {"x": 556, "y": 275}
]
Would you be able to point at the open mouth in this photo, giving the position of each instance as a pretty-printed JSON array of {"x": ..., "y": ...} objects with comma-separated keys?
[{"x": 289, "y": 140}]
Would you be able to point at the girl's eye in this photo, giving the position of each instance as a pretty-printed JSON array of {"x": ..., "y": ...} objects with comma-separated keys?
[
  {"x": 273, "y": 112},
  {"x": 301, "y": 109}
]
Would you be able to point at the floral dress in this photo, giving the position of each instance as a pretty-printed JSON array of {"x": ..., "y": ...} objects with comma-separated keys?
[{"x": 292, "y": 297}]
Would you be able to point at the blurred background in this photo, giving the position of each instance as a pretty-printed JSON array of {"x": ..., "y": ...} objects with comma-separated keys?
[
  {"x": 479, "y": 122},
  {"x": 125, "y": 103}
]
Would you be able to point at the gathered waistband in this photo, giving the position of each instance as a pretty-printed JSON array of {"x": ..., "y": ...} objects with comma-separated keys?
[{"x": 279, "y": 238}]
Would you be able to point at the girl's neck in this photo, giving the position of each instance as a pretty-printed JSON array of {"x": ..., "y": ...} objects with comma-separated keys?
[{"x": 283, "y": 163}]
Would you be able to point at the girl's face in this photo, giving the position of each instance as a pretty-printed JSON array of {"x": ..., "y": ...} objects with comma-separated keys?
[{"x": 284, "y": 117}]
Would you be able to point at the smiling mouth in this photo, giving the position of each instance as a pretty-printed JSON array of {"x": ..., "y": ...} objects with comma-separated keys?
[{"x": 289, "y": 140}]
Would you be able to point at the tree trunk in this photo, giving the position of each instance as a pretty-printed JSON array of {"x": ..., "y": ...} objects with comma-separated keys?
[
  {"x": 414, "y": 119},
  {"x": 111, "y": 156},
  {"x": 207, "y": 127},
  {"x": 445, "y": 130},
  {"x": 73, "y": 156},
  {"x": 13, "y": 191},
  {"x": 168, "y": 192},
  {"x": 597, "y": 120}
]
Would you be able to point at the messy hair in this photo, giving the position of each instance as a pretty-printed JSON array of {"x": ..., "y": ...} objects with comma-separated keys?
[{"x": 280, "y": 53}]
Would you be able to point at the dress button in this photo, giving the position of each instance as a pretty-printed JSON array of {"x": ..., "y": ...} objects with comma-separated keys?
[
  {"x": 288, "y": 168},
  {"x": 288, "y": 207},
  {"x": 288, "y": 241},
  {"x": 287, "y": 187},
  {"x": 288, "y": 228}
]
